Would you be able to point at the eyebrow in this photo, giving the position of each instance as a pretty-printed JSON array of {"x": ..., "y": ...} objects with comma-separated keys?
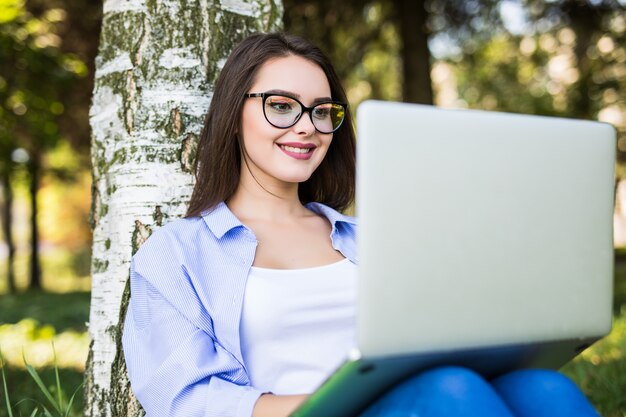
[{"x": 296, "y": 95}]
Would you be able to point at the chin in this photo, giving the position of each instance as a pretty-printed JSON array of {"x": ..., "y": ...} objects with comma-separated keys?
[
  {"x": 292, "y": 174},
  {"x": 295, "y": 178},
  {"x": 299, "y": 180}
]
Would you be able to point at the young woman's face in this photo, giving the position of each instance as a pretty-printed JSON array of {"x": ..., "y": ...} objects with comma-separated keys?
[{"x": 288, "y": 155}]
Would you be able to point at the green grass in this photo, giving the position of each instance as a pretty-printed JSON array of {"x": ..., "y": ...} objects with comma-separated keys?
[
  {"x": 60, "y": 317},
  {"x": 62, "y": 311},
  {"x": 25, "y": 395},
  {"x": 600, "y": 371}
]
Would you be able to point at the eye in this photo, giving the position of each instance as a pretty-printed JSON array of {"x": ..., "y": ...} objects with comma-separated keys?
[
  {"x": 322, "y": 111},
  {"x": 282, "y": 105}
]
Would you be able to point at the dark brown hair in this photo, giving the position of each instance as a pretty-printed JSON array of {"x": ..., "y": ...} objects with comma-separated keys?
[{"x": 218, "y": 159}]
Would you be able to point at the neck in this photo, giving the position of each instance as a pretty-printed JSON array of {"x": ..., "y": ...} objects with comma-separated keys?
[{"x": 258, "y": 198}]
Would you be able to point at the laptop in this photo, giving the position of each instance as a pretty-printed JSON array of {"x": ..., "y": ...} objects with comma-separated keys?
[{"x": 485, "y": 240}]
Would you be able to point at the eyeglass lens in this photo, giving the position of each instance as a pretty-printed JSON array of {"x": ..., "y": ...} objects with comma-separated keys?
[{"x": 284, "y": 112}]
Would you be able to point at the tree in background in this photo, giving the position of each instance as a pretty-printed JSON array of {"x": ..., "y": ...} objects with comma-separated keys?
[
  {"x": 563, "y": 58},
  {"x": 7, "y": 167},
  {"x": 381, "y": 47},
  {"x": 155, "y": 71},
  {"x": 33, "y": 75},
  {"x": 361, "y": 39},
  {"x": 78, "y": 31}
]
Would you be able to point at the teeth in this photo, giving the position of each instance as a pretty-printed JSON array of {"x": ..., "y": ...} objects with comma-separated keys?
[{"x": 296, "y": 150}]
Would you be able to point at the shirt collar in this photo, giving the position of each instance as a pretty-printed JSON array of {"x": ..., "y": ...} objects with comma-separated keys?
[
  {"x": 221, "y": 220},
  {"x": 331, "y": 214}
]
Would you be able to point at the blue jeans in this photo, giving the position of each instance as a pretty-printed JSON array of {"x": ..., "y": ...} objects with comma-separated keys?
[{"x": 459, "y": 392}]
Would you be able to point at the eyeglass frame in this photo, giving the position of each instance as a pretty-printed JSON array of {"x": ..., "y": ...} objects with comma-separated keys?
[{"x": 306, "y": 109}]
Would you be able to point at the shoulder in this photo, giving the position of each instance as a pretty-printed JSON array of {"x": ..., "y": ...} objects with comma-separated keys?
[
  {"x": 182, "y": 229},
  {"x": 194, "y": 244},
  {"x": 337, "y": 219},
  {"x": 344, "y": 227},
  {"x": 173, "y": 239},
  {"x": 197, "y": 243},
  {"x": 163, "y": 272}
]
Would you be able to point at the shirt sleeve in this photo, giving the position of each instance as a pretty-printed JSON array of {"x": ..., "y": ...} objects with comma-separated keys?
[{"x": 175, "y": 366}]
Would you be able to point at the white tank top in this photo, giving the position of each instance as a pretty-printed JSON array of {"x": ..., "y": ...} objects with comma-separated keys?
[{"x": 297, "y": 325}]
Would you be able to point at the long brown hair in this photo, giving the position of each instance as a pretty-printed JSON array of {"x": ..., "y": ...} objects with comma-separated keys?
[{"x": 218, "y": 161}]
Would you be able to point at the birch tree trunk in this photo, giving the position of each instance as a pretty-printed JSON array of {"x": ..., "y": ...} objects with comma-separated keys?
[{"x": 156, "y": 65}]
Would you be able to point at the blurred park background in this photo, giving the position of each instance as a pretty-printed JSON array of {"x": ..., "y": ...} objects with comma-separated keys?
[{"x": 550, "y": 57}]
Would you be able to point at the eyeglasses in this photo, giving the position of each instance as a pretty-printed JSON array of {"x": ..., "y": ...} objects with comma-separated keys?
[{"x": 283, "y": 112}]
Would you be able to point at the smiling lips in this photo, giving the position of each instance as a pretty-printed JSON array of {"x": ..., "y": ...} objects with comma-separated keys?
[{"x": 297, "y": 150}]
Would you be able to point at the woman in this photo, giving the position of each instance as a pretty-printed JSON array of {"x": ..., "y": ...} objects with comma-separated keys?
[{"x": 246, "y": 305}]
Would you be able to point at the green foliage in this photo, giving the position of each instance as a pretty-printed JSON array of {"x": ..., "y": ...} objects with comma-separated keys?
[
  {"x": 497, "y": 76},
  {"x": 33, "y": 75},
  {"x": 361, "y": 39},
  {"x": 28, "y": 339},
  {"x": 568, "y": 62},
  {"x": 566, "y": 58},
  {"x": 63, "y": 270},
  {"x": 10, "y": 10}
]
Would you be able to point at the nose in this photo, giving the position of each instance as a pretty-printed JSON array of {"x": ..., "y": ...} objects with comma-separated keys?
[{"x": 304, "y": 126}]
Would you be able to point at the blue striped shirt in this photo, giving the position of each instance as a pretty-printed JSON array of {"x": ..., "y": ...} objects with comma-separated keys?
[{"x": 181, "y": 333}]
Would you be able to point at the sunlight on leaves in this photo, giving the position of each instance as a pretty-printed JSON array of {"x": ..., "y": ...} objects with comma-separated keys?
[
  {"x": 10, "y": 10},
  {"x": 30, "y": 340}
]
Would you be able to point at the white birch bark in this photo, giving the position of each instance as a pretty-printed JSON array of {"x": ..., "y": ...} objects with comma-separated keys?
[{"x": 157, "y": 62}]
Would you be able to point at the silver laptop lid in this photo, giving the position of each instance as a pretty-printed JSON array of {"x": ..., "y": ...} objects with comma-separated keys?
[{"x": 481, "y": 228}]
